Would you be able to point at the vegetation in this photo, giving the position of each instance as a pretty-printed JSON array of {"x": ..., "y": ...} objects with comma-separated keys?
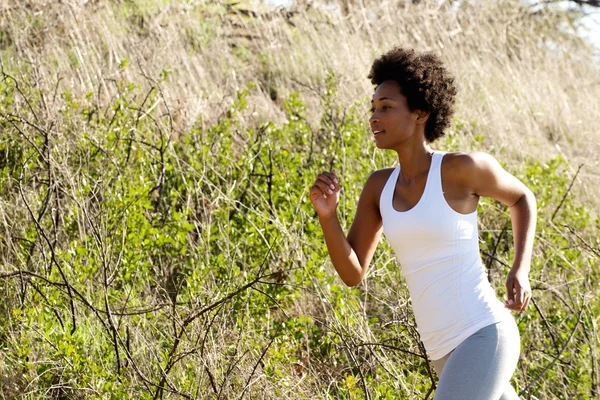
[{"x": 156, "y": 239}]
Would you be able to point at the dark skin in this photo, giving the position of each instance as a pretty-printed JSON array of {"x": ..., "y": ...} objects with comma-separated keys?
[{"x": 465, "y": 178}]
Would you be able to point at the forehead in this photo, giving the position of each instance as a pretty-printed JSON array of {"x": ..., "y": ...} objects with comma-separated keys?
[{"x": 389, "y": 89}]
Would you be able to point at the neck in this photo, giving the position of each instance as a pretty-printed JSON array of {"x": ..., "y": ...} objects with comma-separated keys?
[{"x": 414, "y": 161}]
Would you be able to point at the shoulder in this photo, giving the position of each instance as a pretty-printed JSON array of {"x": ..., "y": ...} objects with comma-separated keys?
[
  {"x": 381, "y": 174},
  {"x": 467, "y": 167},
  {"x": 469, "y": 162},
  {"x": 375, "y": 184},
  {"x": 378, "y": 179},
  {"x": 483, "y": 175}
]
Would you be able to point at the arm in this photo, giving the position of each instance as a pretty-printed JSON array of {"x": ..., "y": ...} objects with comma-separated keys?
[
  {"x": 350, "y": 255},
  {"x": 486, "y": 177}
]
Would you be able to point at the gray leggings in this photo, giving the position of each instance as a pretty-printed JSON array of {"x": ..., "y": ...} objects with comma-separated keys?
[{"x": 481, "y": 366}]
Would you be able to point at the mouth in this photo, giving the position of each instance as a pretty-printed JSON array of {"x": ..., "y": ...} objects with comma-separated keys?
[{"x": 377, "y": 133}]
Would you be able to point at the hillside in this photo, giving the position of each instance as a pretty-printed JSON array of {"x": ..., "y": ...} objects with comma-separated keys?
[{"x": 156, "y": 239}]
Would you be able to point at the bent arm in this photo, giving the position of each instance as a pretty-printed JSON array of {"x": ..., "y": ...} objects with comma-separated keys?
[
  {"x": 523, "y": 215},
  {"x": 352, "y": 255},
  {"x": 491, "y": 180}
]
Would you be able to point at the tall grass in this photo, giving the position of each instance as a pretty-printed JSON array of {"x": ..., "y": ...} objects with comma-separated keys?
[{"x": 156, "y": 239}]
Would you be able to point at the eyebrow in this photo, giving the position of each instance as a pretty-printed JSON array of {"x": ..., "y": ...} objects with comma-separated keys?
[{"x": 383, "y": 98}]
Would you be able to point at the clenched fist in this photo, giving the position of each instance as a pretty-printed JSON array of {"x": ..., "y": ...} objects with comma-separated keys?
[{"x": 325, "y": 193}]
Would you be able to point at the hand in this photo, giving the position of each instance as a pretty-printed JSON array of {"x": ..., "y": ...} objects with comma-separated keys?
[
  {"x": 325, "y": 193},
  {"x": 518, "y": 290}
]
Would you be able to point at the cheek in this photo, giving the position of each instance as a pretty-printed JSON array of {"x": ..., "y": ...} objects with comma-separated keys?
[{"x": 397, "y": 120}]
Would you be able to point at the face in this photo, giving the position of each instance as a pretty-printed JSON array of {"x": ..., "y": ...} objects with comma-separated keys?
[{"x": 392, "y": 122}]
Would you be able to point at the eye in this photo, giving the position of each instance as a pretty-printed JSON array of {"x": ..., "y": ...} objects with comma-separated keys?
[{"x": 383, "y": 108}]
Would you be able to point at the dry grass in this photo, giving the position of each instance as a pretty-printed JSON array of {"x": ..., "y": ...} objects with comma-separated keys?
[{"x": 528, "y": 90}]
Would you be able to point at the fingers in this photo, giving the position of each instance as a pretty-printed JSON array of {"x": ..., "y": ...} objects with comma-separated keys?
[
  {"x": 327, "y": 184},
  {"x": 526, "y": 294},
  {"x": 517, "y": 297},
  {"x": 329, "y": 178},
  {"x": 526, "y": 301},
  {"x": 323, "y": 188},
  {"x": 510, "y": 296}
]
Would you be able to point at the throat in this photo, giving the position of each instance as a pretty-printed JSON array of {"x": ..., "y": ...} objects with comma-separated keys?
[
  {"x": 410, "y": 182},
  {"x": 413, "y": 171}
]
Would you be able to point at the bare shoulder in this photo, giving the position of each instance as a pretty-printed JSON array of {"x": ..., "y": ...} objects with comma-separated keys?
[
  {"x": 465, "y": 167},
  {"x": 465, "y": 162},
  {"x": 381, "y": 175},
  {"x": 377, "y": 179},
  {"x": 483, "y": 175},
  {"x": 375, "y": 184}
]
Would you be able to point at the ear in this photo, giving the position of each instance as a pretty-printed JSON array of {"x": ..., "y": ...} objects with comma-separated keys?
[{"x": 422, "y": 116}]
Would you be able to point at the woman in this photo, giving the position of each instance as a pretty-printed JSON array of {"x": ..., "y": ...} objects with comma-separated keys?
[{"x": 427, "y": 208}]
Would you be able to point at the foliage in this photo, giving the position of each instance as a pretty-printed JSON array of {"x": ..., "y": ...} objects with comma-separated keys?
[
  {"x": 195, "y": 266},
  {"x": 142, "y": 258}
]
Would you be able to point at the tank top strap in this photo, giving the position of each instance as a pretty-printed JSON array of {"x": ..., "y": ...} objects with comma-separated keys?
[
  {"x": 385, "y": 200},
  {"x": 434, "y": 184}
]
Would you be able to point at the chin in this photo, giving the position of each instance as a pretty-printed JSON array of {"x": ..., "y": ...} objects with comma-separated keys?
[{"x": 380, "y": 145}]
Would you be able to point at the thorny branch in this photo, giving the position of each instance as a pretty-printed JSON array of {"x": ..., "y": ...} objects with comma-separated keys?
[{"x": 530, "y": 384}]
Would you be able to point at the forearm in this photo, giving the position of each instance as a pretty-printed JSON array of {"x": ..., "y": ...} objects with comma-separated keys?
[
  {"x": 343, "y": 257},
  {"x": 523, "y": 215}
]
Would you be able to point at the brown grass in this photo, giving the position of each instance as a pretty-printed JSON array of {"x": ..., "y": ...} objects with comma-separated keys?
[{"x": 530, "y": 89}]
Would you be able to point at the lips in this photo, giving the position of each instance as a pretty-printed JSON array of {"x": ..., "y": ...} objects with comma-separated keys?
[{"x": 378, "y": 132}]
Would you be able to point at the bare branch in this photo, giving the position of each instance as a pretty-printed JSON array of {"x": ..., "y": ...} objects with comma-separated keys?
[
  {"x": 566, "y": 193},
  {"x": 530, "y": 384}
]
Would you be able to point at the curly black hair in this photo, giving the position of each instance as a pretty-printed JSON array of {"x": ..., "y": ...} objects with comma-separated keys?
[{"x": 425, "y": 82}]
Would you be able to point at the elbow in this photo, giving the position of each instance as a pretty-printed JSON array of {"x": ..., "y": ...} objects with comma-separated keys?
[
  {"x": 351, "y": 270},
  {"x": 527, "y": 198},
  {"x": 530, "y": 195},
  {"x": 531, "y": 199},
  {"x": 352, "y": 281},
  {"x": 526, "y": 204}
]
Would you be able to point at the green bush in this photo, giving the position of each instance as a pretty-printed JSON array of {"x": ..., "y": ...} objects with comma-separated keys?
[{"x": 194, "y": 266}]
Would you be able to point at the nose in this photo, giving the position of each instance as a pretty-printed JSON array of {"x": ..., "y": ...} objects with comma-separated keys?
[{"x": 373, "y": 118}]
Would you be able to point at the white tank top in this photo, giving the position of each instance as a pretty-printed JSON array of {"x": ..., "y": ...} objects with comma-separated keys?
[{"x": 438, "y": 251}]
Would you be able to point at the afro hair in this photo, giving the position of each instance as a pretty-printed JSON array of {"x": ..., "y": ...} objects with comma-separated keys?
[{"x": 425, "y": 83}]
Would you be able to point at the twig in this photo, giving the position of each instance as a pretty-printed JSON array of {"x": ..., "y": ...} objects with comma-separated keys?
[
  {"x": 493, "y": 258},
  {"x": 495, "y": 249},
  {"x": 592, "y": 339},
  {"x": 137, "y": 120},
  {"x": 389, "y": 346},
  {"x": 60, "y": 321},
  {"x": 566, "y": 193},
  {"x": 256, "y": 157},
  {"x": 259, "y": 361},
  {"x": 211, "y": 380},
  {"x": 228, "y": 372},
  {"x": 546, "y": 323},
  {"x": 530, "y": 384},
  {"x": 415, "y": 335},
  {"x": 273, "y": 300},
  {"x": 42, "y": 232},
  {"x": 101, "y": 249},
  {"x": 351, "y": 354},
  {"x": 201, "y": 312},
  {"x": 586, "y": 244},
  {"x": 5, "y": 75}
]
